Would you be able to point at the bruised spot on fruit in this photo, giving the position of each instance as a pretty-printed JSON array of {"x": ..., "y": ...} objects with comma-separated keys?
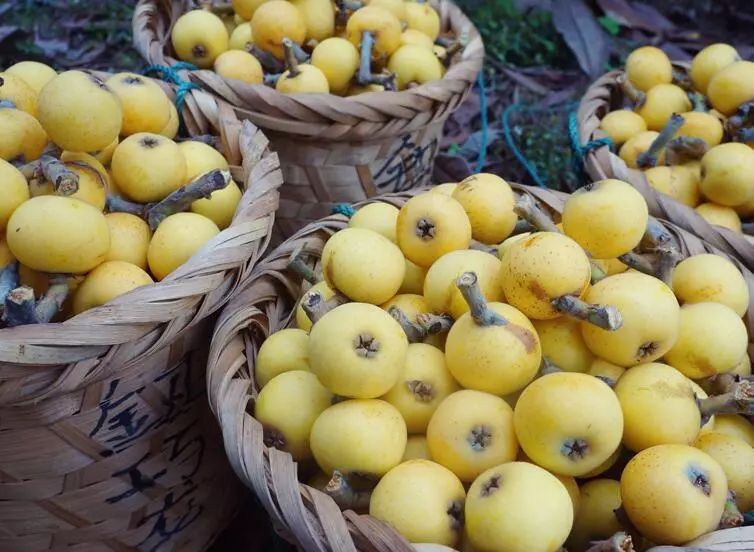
[
  {"x": 422, "y": 391},
  {"x": 480, "y": 437},
  {"x": 699, "y": 479},
  {"x": 666, "y": 390},
  {"x": 537, "y": 290},
  {"x": 491, "y": 485},
  {"x": 366, "y": 346},
  {"x": 647, "y": 349},
  {"x": 526, "y": 337},
  {"x": 149, "y": 142},
  {"x": 574, "y": 449},
  {"x": 455, "y": 511},
  {"x": 273, "y": 438},
  {"x": 425, "y": 229}
]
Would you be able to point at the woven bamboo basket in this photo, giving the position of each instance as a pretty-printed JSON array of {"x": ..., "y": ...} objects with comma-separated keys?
[
  {"x": 335, "y": 149},
  {"x": 303, "y": 515},
  {"x": 606, "y": 95},
  {"x": 106, "y": 441}
]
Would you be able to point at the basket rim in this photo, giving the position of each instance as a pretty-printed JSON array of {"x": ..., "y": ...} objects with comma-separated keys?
[
  {"x": 254, "y": 313},
  {"x": 602, "y": 163},
  {"x": 98, "y": 331},
  {"x": 150, "y": 19}
]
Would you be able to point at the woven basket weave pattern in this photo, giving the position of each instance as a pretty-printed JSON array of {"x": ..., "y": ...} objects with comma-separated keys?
[
  {"x": 106, "y": 440},
  {"x": 305, "y": 516},
  {"x": 604, "y": 96},
  {"x": 335, "y": 149}
]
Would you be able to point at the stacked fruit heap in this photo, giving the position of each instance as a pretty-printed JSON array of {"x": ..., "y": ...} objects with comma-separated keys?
[
  {"x": 691, "y": 131},
  {"x": 434, "y": 378},
  {"x": 83, "y": 216},
  {"x": 317, "y": 46}
]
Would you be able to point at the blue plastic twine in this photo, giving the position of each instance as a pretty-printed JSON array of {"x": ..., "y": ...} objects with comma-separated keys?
[
  {"x": 170, "y": 74},
  {"x": 579, "y": 151},
  {"x": 344, "y": 209},
  {"x": 529, "y": 167}
]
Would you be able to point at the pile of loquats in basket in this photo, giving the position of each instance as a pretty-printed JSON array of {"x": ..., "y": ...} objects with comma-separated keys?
[
  {"x": 318, "y": 46},
  {"x": 98, "y": 199},
  {"x": 484, "y": 374}
]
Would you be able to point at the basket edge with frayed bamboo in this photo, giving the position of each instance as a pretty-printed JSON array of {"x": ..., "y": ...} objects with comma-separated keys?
[
  {"x": 303, "y": 515},
  {"x": 106, "y": 439},
  {"x": 335, "y": 149},
  {"x": 601, "y": 163}
]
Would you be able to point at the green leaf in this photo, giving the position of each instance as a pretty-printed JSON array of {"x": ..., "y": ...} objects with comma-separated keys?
[{"x": 609, "y": 24}]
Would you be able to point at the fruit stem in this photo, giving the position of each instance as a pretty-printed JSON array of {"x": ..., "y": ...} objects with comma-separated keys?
[
  {"x": 365, "y": 66},
  {"x": 52, "y": 302},
  {"x": 737, "y": 399},
  {"x": 667, "y": 259},
  {"x": 468, "y": 284},
  {"x": 414, "y": 332},
  {"x": 548, "y": 367},
  {"x": 434, "y": 324},
  {"x": 522, "y": 227},
  {"x": 270, "y": 63},
  {"x": 742, "y": 118},
  {"x": 386, "y": 79},
  {"x": 699, "y": 102},
  {"x": 637, "y": 262},
  {"x": 183, "y": 197},
  {"x": 656, "y": 235},
  {"x": 606, "y": 317},
  {"x": 649, "y": 157},
  {"x": 340, "y": 489},
  {"x": 732, "y": 516},
  {"x": 300, "y": 53},
  {"x": 291, "y": 63},
  {"x": 207, "y": 139},
  {"x": 682, "y": 79},
  {"x": 297, "y": 264},
  {"x": 479, "y": 246},
  {"x": 314, "y": 306},
  {"x": 526, "y": 208},
  {"x": 271, "y": 79},
  {"x": 450, "y": 51},
  {"x": 64, "y": 181},
  {"x": 619, "y": 542},
  {"x": 636, "y": 96},
  {"x": 685, "y": 148},
  {"x": 8, "y": 281},
  {"x": 597, "y": 272},
  {"x": 117, "y": 204},
  {"x": 19, "y": 307},
  {"x": 745, "y": 134}
]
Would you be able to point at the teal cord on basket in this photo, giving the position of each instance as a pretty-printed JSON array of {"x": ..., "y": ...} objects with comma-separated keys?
[
  {"x": 529, "y": 167},
  {"x": 170, "y": 74},
  {"x": 344, "y": 209},
  {"x": 579, "y": 152},
  {"x": 482, "y": 159}
]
